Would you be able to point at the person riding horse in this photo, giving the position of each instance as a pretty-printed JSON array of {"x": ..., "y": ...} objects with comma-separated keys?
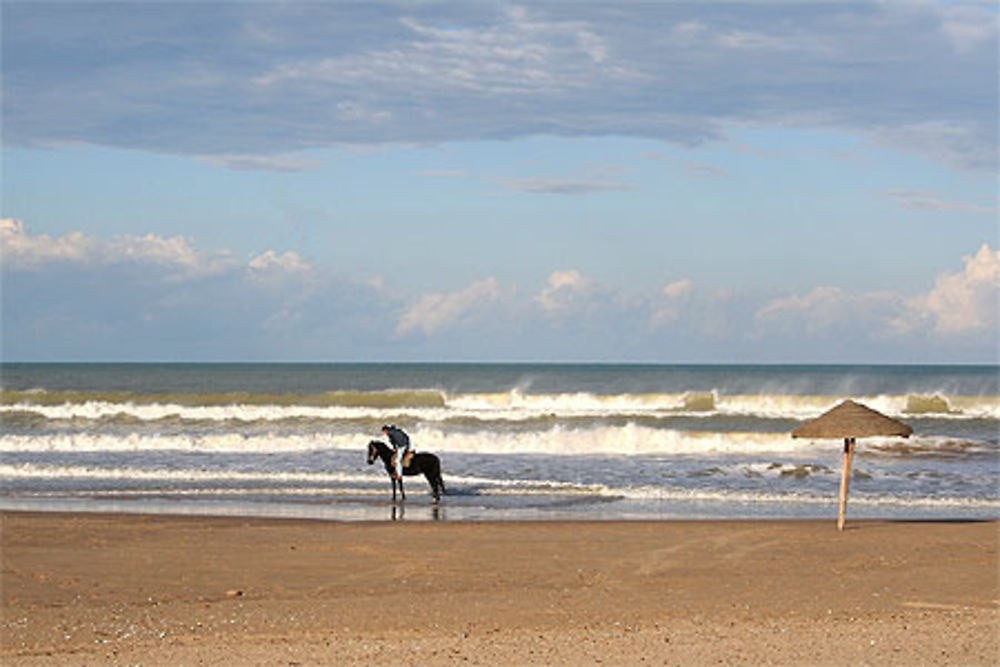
[{"x": 401, "y": 443}]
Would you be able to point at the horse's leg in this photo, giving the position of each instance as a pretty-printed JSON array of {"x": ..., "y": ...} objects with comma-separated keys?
[
  {"x": 429, "y": 475},
  {"x": 438, "y": 480}
]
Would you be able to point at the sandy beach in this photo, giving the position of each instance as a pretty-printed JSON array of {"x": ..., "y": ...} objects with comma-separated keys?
[{"x": 154, "y": 590}]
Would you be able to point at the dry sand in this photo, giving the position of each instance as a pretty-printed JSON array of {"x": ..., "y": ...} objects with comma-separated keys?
[{"x": 114, "y": 589}]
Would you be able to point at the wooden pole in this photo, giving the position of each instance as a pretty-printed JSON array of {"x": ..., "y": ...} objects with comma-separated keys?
[{"x": 845, "y": 481}]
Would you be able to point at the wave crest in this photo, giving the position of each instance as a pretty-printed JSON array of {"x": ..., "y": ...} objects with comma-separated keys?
[
  {"x": 417, "y": 398},
  {"x": 514, "y": 405},
  {"x": 920, "y": 405}
]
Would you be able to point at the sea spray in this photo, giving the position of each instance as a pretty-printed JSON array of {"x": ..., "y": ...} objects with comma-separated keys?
[{"x": 511, "y": 406}]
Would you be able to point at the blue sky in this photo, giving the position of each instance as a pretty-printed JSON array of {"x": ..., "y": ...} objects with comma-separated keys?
[{"x": 676, "y": 182}]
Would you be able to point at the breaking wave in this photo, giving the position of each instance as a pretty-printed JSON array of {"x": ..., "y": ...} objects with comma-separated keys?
[
  {"x": 433, "y": 405},
  {"x": 360, "y": 399},
  {"x": 557, "y": 440}
]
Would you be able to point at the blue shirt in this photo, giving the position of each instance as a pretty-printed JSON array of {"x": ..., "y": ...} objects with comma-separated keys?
[{"x": 397, "y": 438}]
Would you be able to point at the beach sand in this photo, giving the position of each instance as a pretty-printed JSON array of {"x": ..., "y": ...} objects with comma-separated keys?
[{"x": 117, "y": 589}]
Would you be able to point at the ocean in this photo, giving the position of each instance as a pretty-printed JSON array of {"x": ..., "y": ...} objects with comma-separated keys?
[{"x": 516, "y": 441}]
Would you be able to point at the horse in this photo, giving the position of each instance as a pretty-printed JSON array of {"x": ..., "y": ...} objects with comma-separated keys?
[{"x": 423, "y": 463}]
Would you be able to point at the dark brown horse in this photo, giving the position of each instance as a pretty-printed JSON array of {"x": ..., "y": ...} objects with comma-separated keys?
[{"x": 422, "y": 463}]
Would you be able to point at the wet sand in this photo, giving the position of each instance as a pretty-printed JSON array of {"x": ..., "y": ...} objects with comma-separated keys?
[{"x": 155, "y": 590}]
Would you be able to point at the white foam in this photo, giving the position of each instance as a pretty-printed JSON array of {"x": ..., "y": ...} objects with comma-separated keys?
[
  {"x": 313, "y": 485},
  {"x": 630, "y": 439},
  {"x": 33, "y": 471},
  {"x": 517, "y": 406},
  {"x": 750, "y": 497},
  {"x": 220, "y": 413},
  {"x": 377, "y": 491}
]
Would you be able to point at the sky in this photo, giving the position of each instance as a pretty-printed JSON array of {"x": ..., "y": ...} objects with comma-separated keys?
[{"x": 675, "y": 182}]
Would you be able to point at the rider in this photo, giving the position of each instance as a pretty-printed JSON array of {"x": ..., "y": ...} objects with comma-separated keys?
[{"x": 401, "y": 443}]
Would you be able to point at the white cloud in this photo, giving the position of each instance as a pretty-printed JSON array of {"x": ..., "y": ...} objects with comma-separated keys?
[
  {"x": 515, "y": 55},
  {"x": 828, "y": 309},
  {"x": 564, "y": 290},
  {"x": 171, "y": 258},
  {"x": 141, "y": 290},
  {"x": 434, "y": 312},
  {"x": 21, "y": 250},
  {"x": 172, "y": 252},
  {"x": 288, "y": 261},
  {"x": 328, "y": 74},
  {"x": 175, "y": 255},
  {"x": 673, "y": 297},
  {"x": 960, "y": 303},
  {"x": 676, "y": 290},
  {"x": 286, "y": 271},
  {"x": 157, "y": 297}
]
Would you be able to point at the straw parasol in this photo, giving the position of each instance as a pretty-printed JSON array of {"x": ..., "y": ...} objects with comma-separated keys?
[{"x": 850, "y": 420}]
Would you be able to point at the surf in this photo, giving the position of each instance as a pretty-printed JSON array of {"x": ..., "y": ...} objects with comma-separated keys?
[{"x": 513, "y": 405}]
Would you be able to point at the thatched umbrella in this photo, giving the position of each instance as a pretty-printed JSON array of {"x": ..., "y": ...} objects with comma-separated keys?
[{"x": 850, "y": 420}]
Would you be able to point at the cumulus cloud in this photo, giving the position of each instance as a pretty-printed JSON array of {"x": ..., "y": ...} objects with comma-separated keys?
[
  {"x": 958, "y": 312},
  {"x": 434, "y": 312},
  {"x": 173, "y": 258},
  {"x": 826, "y": 310},
  {"x": 959, "y": 303},
  {"x": 24, "y": 251},
  {"x": 288, "y": 262},
  {"x": 673, "y": 297},
  {"x": 75, "y": 296},
  {"x": 565, "y": 289},
  {"x": 963, "y": 304},
  {"x": 153, "y": 297},
  {"x": 177, "y": 257}
]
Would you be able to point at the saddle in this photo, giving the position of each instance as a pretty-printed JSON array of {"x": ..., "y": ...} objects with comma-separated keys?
[{"x": 406, "y": 458}]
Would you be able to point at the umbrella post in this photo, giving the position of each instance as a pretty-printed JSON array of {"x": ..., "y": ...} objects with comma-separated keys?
[{"x": 845, "y": 481}]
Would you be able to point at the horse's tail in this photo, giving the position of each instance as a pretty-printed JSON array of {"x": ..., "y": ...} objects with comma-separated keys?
[
  {"x": 437, "y": 482},
  {"x": 440, "y": 479}
]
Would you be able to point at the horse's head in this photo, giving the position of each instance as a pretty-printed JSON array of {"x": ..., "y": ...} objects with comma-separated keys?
[{"x": 373, "y": 451}]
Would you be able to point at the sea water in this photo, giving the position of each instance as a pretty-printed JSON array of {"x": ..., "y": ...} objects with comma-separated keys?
[{"x": 516, "y": 441}]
